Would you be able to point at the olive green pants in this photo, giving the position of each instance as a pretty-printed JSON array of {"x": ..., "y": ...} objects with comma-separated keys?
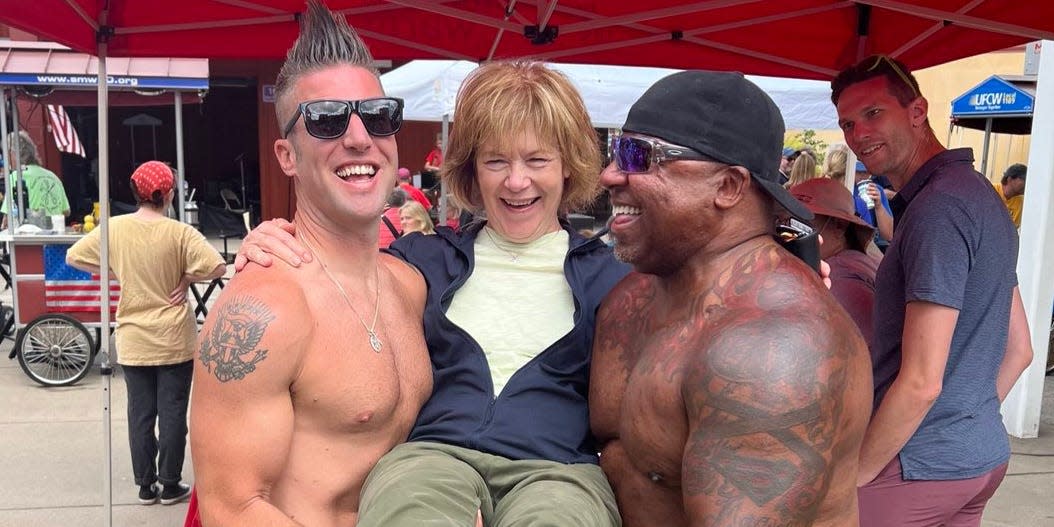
[{"x": 431, "y": 484}]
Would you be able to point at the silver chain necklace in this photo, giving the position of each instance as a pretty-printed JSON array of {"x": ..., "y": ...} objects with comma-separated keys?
[
  {"x": 515, "y": 256},
  {"x": 375, "y": 342}
]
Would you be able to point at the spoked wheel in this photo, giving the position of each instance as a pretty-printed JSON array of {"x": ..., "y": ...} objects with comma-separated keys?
[{"x": 55, "y": 350}]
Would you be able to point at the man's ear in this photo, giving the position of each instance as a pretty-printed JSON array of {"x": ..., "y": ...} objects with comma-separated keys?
[
  {"x": 919, "y": 111},
  {"x": 286, "y": 154},
  {"x": 733, "y": 183}
]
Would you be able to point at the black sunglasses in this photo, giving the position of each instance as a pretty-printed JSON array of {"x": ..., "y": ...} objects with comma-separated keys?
[
  {"x": 637, "y": 155},
  {"x": 328, "y": 119}
]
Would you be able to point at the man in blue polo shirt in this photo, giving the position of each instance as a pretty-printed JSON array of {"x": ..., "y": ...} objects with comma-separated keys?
[{"x": 952, "y": 338}]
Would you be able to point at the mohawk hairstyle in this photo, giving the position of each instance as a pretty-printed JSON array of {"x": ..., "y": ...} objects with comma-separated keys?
[{"x": 325, "y": 40}]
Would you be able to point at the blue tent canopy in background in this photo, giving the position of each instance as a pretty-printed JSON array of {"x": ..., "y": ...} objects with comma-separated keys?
[{"x": 1007, "y": 101}]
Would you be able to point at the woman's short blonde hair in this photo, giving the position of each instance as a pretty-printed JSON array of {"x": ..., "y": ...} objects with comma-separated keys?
[
  {"x": 834, "y": 163},
  {"x": 417, "y": 211},
  {"x": 803, "y": 169},
  {"x": 500, "y": 100}
]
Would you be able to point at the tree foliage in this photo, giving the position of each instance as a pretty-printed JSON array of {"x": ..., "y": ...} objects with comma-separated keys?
[{"x": 807, "y": 140}]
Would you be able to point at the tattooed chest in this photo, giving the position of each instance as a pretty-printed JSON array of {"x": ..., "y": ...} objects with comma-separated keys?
[{"x": 653, "y": 428}]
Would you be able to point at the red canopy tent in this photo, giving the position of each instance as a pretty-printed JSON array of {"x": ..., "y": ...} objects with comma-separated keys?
[{"x": 793, "y": 38}]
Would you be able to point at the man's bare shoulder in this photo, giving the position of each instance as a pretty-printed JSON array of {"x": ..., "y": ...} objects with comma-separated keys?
[
  {"x": 779, "y": 387},
  {"x": 774, "y": 319},
  {"x": 408, "y": 279},
  {"x": 257, "y": 324},
  {"x": 634, "y": 291}
]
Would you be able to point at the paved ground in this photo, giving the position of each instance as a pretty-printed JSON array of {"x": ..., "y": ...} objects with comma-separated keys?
[{"x": 52, "y": 454}]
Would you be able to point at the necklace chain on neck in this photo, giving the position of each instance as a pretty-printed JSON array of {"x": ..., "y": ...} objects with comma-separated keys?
[
  {"x": 375, "y": 342},
  {"x": 514, "y": 256}
]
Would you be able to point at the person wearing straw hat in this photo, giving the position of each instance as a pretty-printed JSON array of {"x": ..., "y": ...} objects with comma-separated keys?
[
  {"x": 846, "y": 242},
  {"x": 155, "y": 258}
]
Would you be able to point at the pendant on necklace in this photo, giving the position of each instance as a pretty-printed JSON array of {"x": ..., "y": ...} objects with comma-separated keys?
[{"x": 375, "y": 342}]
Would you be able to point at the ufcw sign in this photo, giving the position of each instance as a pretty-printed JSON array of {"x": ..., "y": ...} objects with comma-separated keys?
[
  {"x": 993, "y": 100},
  {"x": 994, "y": 96}
]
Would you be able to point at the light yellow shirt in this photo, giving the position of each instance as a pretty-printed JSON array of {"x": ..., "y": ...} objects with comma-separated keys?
[
  {"x": 515, "y": 309},
  {"x": 149, "y": 258}
]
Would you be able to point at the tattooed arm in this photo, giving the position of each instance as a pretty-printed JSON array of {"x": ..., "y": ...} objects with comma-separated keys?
[
  {"x": 763, "y": 410},
  {"x": 241, "y": 423}
]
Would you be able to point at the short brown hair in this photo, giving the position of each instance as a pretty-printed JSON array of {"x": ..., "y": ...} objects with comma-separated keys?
[
  {"x": 902, "y": 84},
  {"x": 500, "y": 100}
]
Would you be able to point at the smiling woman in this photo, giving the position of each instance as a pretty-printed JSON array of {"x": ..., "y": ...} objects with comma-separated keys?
[{"x": 519, "y": 152}]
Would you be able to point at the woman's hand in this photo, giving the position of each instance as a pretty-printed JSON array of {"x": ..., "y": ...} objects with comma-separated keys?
[
  {"x": 825, "y": 268},
  {"x": 178, "y": 295},
  {"x": 271, "y": 239}
]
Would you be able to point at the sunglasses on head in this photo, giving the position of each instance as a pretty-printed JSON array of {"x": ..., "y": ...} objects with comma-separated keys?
[
  {"x": 637, "y": 155},
  {"x": 880, "y": 59},
  {"x": 328, "y": 119}
]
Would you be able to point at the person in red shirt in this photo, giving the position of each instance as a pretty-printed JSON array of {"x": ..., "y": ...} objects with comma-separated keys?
[
  {"x": 434, "y": 159},
  {"x": 391, "y": 227},
  {"x": 411, "y": 191}
]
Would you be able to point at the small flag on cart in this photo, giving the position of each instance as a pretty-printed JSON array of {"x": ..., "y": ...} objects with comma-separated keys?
[
  {"x": 67, "y": 289},
  {"x": 63, "y": 131}
]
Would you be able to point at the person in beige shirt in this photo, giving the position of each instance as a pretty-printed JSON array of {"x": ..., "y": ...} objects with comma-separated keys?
[{"x": 155, "y": 259}]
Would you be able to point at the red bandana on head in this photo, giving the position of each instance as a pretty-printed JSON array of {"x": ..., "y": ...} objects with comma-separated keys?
[{"x": 151, "y": 176}]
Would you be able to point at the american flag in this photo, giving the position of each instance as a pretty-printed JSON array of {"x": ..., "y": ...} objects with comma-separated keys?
[
  {"x": 67, "y": 289},
  {"x": 63, "y": 131}
]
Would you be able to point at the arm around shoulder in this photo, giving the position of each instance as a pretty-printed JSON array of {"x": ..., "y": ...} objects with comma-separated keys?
[{"x": 241, "y": 422}]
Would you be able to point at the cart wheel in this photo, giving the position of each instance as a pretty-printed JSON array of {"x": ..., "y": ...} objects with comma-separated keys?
[{"x": 55, "y": 350}]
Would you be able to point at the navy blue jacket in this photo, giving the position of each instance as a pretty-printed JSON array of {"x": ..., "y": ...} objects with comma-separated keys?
[{"x": 542, "y": 412}]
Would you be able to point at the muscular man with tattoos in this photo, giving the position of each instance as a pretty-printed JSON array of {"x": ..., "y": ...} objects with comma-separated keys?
[
  {"x": 728, "y": 387},
  {"x": 306, "y": 376}
]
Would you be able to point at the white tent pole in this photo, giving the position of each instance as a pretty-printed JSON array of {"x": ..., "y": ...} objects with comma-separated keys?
[
  {"x": 1022, "y": 406},
  {"x": 180, "y": 212},
  {"x": 104, "y": 283}
]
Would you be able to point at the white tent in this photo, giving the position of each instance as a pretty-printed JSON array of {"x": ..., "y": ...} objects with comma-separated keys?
[{"x": 430, "y": 90}]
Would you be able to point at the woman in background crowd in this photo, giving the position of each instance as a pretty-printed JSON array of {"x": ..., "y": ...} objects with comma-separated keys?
[
  {"x": 803, "y": 169},
  {"x": 415, "y": 218}
]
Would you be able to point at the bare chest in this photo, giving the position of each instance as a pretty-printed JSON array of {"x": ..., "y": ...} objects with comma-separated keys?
[
  {"x": 641, "y": 403},
  {"x": 346, "y": 386}
]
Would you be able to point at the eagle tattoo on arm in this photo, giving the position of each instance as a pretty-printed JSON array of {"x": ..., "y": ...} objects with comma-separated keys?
[{"x": 230, "y": 349}]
